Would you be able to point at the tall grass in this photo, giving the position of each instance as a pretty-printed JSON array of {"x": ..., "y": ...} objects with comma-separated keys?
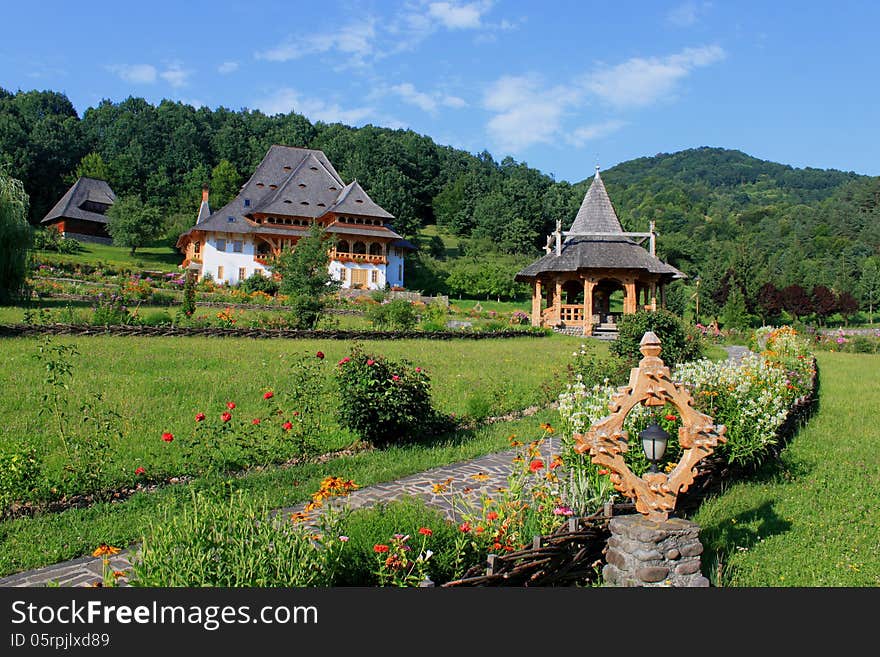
[{"x": 811, "y": 519}]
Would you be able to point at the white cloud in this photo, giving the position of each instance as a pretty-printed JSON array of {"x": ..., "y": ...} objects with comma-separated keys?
[
  {"x": 136, "y": 73},
  {"x": 175, "y": 76},
  {"x": 227, "y": 67},
  {"x": 427, "y": 102},
  {"x": 355, "y": 40},
  {"x": 526, "y": 113},
  {"x": 580, "y": 136},
  {"x": 456, "y": 16},
  {"x": 640, "y": 81},
  {"x": 687, "y": 13},
  {"x": 289, "y": 100}
]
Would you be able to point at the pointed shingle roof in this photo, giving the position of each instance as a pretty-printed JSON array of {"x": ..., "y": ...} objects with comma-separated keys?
[
  {"x": 354, "y": 200},
  {"x": 596, "y": 241},
  {"x": 84, "y": 190},
  {"x": 596, "y": 214}
]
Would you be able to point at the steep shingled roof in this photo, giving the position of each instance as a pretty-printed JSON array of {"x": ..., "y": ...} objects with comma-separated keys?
[
  {"x": 295, "y": 182},
  {"x": 82, "y": 191},
  {"x": 584, "y": 249}
]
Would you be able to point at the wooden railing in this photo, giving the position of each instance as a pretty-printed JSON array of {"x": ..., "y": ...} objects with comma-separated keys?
[
  {"x": 571, "y": 314},
  {"x": 358, "y": 257}
]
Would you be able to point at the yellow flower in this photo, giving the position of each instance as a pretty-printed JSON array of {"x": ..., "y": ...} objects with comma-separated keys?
[
  {"x": 105, "y": 550},
  {"x": 299, "y": 516},
  {"x": 546, "y": 427},
  {"x": 480, "y": 476}
]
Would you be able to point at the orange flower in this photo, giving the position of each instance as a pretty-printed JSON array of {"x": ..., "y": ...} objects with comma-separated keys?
[
  {"x": 556, "y": 462},
  {"x": 105, "y": 550},
  {"x": 480, "y": 476},
  {"x": 425, "y": 531},
  {"x": 546, "y": 427},
  {"x": 492, "y": 515},
  {"x": 299, "y": 516},
  {"x": 379, "y": 548},
  {"x": 603, "y": 471},
  {"x": 464, "y": 527},
  {"x": 536, "y": 465}
]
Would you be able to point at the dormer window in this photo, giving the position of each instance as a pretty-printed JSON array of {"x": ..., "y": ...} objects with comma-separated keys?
[
  {"x": 247, "y": 203},
  {"x": 273, "y": 186},
  {"x": 287, "y": 168},
  {"x": 260, "y": 185},
  {"x": 334, "y": 189},
  {"x": 230, "y": 219},
  {"x": 358, "y": 200},
  {"x": 302, "y": 185},
  {"x": 313, "y": 168},
  {"x": 287, "y": 200},
  {"x": 303, "y": 202}
]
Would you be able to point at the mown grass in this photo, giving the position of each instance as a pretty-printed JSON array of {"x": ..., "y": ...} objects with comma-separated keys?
[
  {"x": 148, "y": 258},
  {"x": 157, "y": 385},
  {"x": 28, "y": 543},
  {"x": 812, "y": 519}
]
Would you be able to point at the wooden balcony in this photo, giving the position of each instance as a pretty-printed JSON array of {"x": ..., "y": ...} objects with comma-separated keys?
[{"x": 368, "y": 258}]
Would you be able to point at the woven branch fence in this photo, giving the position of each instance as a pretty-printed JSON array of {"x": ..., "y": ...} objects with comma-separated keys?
[{"x": 28, "y": 330}]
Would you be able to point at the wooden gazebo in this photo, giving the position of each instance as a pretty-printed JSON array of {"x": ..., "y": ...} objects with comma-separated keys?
[{"x": 573, "y": 283}]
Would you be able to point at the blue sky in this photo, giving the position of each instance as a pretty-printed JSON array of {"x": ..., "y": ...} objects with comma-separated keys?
[{"x": 560, "y": 85}]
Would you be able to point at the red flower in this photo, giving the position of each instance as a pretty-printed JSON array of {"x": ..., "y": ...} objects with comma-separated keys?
[
  {"x": 492, "y": 515},
  {"x": 140, "y": 471},
  {"x": 268, "y": 395},
  {"x": 603, "y": 471},
  {"x": 226, "y": 416},
  {"x": 295, "y": 413},
  {"x": 671, "y": 417},
  {"x": 200, "y": 417},
  {"x": 464, "y": 527},
  {"x": 287, "y": 426},
  {"x": 380, "y": 548},
  {"x": 320, "y": 355},
  {"x": 536, "y": 465},
  {"x": 425, "y": 531},
  {"x": 370, "y": 361},
  {"x": 167, "y": 437},
  {"x": 395, "y": 378},
  {"x": 256, "y": 420},
  {"x": 344, "y": 361},
  {"x": 230, "y": 405}
]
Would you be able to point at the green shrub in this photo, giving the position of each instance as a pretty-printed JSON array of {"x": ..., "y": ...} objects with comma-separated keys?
[
  {"x": 111, "y": 310},
  {"x": 162, "y": 299},
  {"x": 396, "y": 315},
  {"x": 368, "y": 527},
  {"x": 189, "y": 294},
  {"x": 385, "y": 401},
  {"x": 20, "y": 475},
  {"x": 230, "y": 541},
  {"x": 257, "y": 282},
  {"x": 862, "y": 344},
  {"x": 680, "y": 343},
  {"x": 590, "y": 368}
]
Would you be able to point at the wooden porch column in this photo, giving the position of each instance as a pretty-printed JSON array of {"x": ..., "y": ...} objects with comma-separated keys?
[
  {"x": 536, "y": 303},
  {"x": 630, "y": 303},
  {"x": 589, "y": 284},
  {"x": 557, "y": 302},
  {"x": 662, "y": 296},
  {"x": 654, "y": 297}
]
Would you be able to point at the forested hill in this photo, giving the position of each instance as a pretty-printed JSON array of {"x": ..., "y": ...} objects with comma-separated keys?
[{"x": 730, "y": 217}]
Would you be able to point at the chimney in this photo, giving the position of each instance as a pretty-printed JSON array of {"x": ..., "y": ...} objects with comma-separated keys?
[{"x": 205, "y": 193}]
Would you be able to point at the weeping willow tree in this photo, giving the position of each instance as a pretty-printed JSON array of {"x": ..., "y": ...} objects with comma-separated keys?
[{"x": 15, "y": 238}]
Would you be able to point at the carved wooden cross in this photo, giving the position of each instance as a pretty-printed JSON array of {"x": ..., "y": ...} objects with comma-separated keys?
[{"x": 650, "y": 384}]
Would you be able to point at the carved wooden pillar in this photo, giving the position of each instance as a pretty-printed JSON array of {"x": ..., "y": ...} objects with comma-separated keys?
[
  {"x": 589, "y": 284},
  {"x": 629, "y": 302},
  {"x": 557, "y": 302},
  {"x": 654, "y": 296},
  {"x": 536, "y": 302}
]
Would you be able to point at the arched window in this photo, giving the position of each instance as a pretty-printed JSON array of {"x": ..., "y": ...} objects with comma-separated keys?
[
  {"x": 342, "y": 247},
  {"x": 197, "y": 247},
  {"x": 376, "y": 249},
  {"x": 359, "y": 247}
]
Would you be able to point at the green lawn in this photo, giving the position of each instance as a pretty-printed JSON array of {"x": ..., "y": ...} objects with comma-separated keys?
[
  {"x": 148, "y": 258},
  {"x": 813, "y": 518}
]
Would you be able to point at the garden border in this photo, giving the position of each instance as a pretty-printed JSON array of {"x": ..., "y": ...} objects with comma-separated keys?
[
  {"x": 573, "y": 552},
  {"x": 30, "y": 330}
]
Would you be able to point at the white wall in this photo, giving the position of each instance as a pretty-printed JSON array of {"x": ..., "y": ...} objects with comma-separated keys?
[
  {"x": 231, "y": 262},
  {"x": 395, "y": 268}
]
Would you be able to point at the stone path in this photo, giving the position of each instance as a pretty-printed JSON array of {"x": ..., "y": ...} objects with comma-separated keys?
[{"x": 482, "y": 475}]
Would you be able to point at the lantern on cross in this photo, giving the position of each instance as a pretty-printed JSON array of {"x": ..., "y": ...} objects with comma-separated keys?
[{"x": 650, "y": 384}]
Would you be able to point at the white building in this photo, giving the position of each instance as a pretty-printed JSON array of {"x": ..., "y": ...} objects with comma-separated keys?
[{"x": 291, "y": 189}]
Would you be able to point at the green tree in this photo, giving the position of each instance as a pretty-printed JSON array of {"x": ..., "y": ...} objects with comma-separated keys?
[
  {"x": 305, "y": 277},
  {"x": 92, "y": 165},
  {"x": 735, "y": 315},
  {"x": 225, "y": 183},
  {"x": 133, "y": 224},
  {"x": 15, "y": 238},
  {"x": 869, "y": 285}
]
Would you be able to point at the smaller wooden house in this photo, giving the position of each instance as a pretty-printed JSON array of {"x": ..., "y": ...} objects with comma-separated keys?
[{"x": 80, "y": 213}]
